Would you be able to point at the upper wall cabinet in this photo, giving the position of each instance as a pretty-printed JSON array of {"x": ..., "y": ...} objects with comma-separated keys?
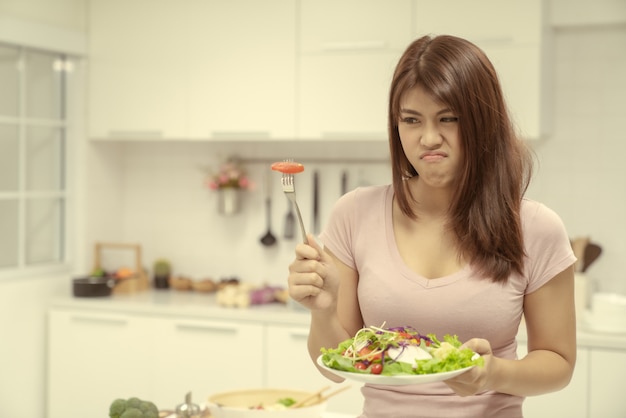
[
  {"x": 242, "y": 69},
  {"x": 285, "y": 69},
  {"x": 198, "y": 69},
  {"x": 137, "y": 64},
  {"x": 516, "y": 37},
  {"x": 348, "y": 51}
]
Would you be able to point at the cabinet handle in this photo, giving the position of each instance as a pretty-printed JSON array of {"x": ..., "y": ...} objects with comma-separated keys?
[
  {"x": 100, "y": 320},
  {"x": 298, "y": 333},
  {"x": 354, "y": 45},
  {"x": 501, "y": 40},
  {"x": 240, "y": 135},
  {"x": 136, "y": 134},
  {"x": 355, "y": 135},
  {"x": 223, "y": 329}
]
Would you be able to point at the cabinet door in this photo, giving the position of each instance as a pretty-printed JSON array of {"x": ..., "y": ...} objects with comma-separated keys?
[
  {"x": 606, "y": 380},
  {"x": 569, "y": 402},
  {"x": 345, "y": 96},
  {"x": 347, "y": 53},
  {"x": 288, "y": 365},
  {"x": 94, "y": 358},
  {"x": 481, "y": 21},
  {"x": 205, "y": 357},
  {"x": 353, "y": 25},
  {"x": 242, "y": 69},
  {"x": 137, "y": 66},
  {"x": 513, "y": 35}
]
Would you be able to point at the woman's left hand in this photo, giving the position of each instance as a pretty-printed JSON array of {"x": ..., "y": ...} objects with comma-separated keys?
[{"x": 475, "y": 380}]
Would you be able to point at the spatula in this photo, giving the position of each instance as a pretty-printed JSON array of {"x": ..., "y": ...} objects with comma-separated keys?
[{"x": 592, "y": 252}]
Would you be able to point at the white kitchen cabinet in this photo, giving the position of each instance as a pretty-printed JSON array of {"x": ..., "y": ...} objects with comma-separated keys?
[
  {"x": 242, "y": 69},
  {"x": 515, "y": 36},
  {"x": 331, "y": 26},
  {"x": 606, "y": 378},
  {"x": 137, "y": 67},
  {"x": 569, "y": 402},
  {"x": 345, "y": 96},
  {"x": 347, "y": 53},
  {"x": 198, "y": 69},
  {"x": 205, "y": 357},
  {"x": 94, "y": 358},
  {"x": 288, "y": 365}
]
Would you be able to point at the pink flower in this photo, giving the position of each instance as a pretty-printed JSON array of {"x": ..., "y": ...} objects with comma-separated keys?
[
  {"x": 230, "y": 175},
  {"x": 244, "y": 182}
]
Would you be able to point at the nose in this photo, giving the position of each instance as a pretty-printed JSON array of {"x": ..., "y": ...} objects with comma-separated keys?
[{"x": 431, "y": 137}]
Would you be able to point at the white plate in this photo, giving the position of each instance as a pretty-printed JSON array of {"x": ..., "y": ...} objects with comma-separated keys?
[{"x": 399, "y": 380}]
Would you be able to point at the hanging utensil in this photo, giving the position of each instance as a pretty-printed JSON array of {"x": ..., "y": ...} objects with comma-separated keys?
[
  {"x": 316, "y": 226},
  {"x": 268, "y": 239},
  {"x": 344, "y": 182}
]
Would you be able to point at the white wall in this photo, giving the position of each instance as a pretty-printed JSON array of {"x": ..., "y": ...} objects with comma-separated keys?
[
  {"x": 581, "y": 173},
  {"x": 165, "y": 206}
]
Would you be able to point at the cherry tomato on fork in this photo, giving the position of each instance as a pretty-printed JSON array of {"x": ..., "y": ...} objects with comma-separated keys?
[{"x": 288, "y": 167}]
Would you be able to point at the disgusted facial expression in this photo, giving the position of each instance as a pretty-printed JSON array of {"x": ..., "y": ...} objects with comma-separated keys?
[{"x": 429, "y": 133}]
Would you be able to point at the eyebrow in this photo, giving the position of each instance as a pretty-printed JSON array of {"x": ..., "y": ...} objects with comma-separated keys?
[{"x": 415, "y": 112}]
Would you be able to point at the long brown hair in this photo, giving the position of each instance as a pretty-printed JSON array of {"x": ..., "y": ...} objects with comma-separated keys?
[{"x": 485, "y": 210}]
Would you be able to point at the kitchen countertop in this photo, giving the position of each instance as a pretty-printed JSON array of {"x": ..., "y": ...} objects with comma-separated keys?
[{"x": 175, "y": 303}]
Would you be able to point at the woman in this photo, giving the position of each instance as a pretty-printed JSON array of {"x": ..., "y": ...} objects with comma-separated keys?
[{"x": 451, "y": 247}]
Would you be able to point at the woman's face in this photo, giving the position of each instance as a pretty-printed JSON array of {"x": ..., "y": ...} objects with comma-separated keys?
[{"x": 429, "y": 132}]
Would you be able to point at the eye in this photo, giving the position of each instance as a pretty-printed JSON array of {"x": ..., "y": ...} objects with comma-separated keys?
[
  {"x": 449, "y": 119},
  {"x": 409, "y": 120}
]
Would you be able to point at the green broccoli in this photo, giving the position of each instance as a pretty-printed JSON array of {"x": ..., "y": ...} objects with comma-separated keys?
[
  {"x": 132, "y": 413},
  {"x": 133, "y": 408},
  {"x": 117, "y": 407}
]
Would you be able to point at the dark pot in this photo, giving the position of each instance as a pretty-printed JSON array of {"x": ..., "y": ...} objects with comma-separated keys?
[
  {"x": 162, "y": 281},
  {"x": 92, "y": 286}
]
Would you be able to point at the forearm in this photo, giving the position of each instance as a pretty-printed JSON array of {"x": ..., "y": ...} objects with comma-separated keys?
[
  {"x": 540, "y": 372},
  {"x": 325, "y": 331}
]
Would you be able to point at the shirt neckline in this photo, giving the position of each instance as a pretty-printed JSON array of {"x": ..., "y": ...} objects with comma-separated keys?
[{"x": 396, "y": 258}]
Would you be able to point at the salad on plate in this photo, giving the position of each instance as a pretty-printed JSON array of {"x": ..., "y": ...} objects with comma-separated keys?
[{"x": 402, "y": 352}]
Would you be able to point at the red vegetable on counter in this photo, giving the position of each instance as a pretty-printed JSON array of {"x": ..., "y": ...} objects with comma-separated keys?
[{"x": 288, "y": 167}]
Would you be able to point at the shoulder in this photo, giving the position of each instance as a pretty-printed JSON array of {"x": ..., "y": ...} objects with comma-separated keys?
[
  {"x": 366, "y": 196},
  {"x": 538, "y": 218}
]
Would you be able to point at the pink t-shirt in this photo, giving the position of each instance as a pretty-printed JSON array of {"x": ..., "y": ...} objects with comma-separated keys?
[{"x": 360, "y": 234}]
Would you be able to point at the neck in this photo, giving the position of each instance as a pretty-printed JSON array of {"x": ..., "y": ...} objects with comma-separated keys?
[{"x": 430, "y": 201}]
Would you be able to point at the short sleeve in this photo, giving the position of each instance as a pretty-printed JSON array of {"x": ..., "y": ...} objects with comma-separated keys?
[{"x": 547, "y": 244}]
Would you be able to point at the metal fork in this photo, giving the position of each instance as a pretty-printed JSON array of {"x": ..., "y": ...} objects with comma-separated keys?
[{"x": 289, "y": 189}]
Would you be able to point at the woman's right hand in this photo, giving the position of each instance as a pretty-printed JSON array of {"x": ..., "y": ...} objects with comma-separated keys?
[{"x": 313, "y": 277}]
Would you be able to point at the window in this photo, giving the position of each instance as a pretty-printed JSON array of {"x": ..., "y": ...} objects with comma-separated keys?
[{"x": 34, "y": 152}]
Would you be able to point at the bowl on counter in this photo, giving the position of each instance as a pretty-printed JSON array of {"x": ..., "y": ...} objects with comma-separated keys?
[
  {"x": 243, "y": 404},
  {"x": 91, "y": 286},
  {"x": 607, "y": 313}
]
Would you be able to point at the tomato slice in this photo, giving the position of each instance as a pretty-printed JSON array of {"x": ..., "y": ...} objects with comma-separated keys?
[{"x": 288, "y": 167}]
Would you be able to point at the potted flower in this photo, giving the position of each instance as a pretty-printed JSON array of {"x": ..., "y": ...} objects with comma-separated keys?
[{"x": 230, "y": 179}]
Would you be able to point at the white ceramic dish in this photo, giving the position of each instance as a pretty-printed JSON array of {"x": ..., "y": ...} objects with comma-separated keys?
[
  {"x": 237, "y": 403},
  {"x": 400, "y": 380}
]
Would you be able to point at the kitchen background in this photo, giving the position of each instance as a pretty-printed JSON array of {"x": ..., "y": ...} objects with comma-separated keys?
[{"x": 153, "y": 192}]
